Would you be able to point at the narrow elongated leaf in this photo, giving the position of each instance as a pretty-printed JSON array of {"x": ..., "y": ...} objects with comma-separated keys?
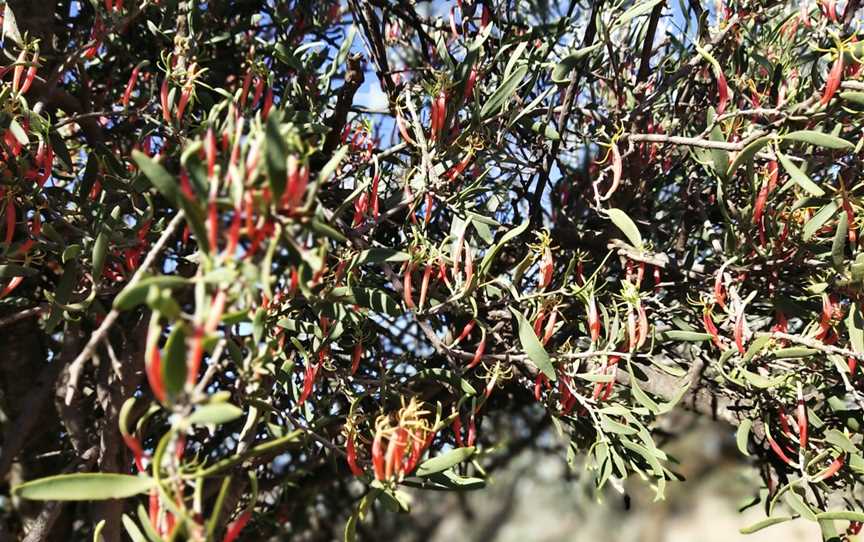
[
  {"x": 742, "y": 435},
  {"x": 84, "y": 486},
  {"x": 638, "y": 9},
  {"x": 819, "y": 139},
  {"x": 489, "y": 257},
  {"x": 818, "y": 220},
  {"x": 158, "y": 176},
  {"x": 445, "y": 461},
  {"x": 748, "y": 152},
  {"x": 174, "y": 362},
  {"x": 765, "y": 523},
  {"x": 799, "y": 177},
  {"x": 561, "y": 71},
  {"x": 276, "y": 155},
  {"x": 533, "y": 348},
  {"x": 626, "y": 225},
  {"x": 503, "y": 93},
  {"x": 100, "y": 250},
  {"x": 216, "y": 414},
  {"x": 843, "y": 515},
  {"x": 855, "y": 325}
]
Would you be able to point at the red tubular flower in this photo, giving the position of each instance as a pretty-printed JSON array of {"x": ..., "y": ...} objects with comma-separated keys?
[
  {"x": 356, "y": 356},
  {"x": 154, "y": 508},
  {"x": 210, "y": 152},
  {"x": 403, "y": 130},
  {"x": 195, "y": 357},
  {"x": 546, "y": 268},
  {"x": 13, "y": 283},
  {"x": 550, "y": 327},
  {"x": 361, "y": 205},
  {"x": 465, "y": 331},
  {"x": 268, "y": 104},
  {"x": 378, "y": 456},
  {"x": 309, "y": 378},
  {"x": 722, "y": 91},
  {"x": 135, "y": 447},
  {"x": 851, "y": 232},
  {"x": 539, "y": 382},
  {"x": 237, "y": 526},
  {"x": 351, "y": 456},
  {"x": 593, "y": 319},
  {"x": 153, "y": 370},
  {"x": 234, "y": 233},
  {"x": 835, "y": 76},
  {"x": 457, "y": 431},
  {"x": 631, "y": 329},
  {"x": 850, "y": 361},
  {"x": 31, "y": 73},
  {"x": 395, "y": 453},
  {"x": 802, "y": 423},
  {"x": 163, "y": 98},
  {"x": 740, "y": 324},
  {"x": 130, "y": 86},
  {"x": 486, "y": 18},
  {"x": 472, "y": 431},
  {"x": 407, "y": 290},
  {"x": 711, "y": 329},
  {"x": 18, "y": 72},
  {"x": 642, "y": 333},
  {"x": 440, "y": 113},
  {"x": 374, "y": 195},
  {"x": 259, "y": 91},
  {"x": 538, "y": 322},
  {"x": 478, "y": 353},
  {"x": 832, "y": 469},
  {"x": 424, "y": 284},
  {"x": 247, "y": 82},
  {"x": 777, "y": 449}
]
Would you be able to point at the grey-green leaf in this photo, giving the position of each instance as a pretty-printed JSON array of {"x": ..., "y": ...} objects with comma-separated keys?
[
  {"x": 532, "y": 347},
  {"x": 84, "y": 486},
  {"x": 819, "y": 139},
  {"x": 626, "y": 225},
  {"x": 445, "y": 461},
  {"x": 216, "y": 414},
  {"x": 799, "y": 177}
]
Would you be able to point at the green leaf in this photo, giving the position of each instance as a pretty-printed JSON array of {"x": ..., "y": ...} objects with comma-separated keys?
[
  {"x": 532, "y": 347},
  {"x": 681, "y": 335},
  {"x": 215, "y": 413},
  {"x": 799, "y": 177},
  {"x": 797, "y": 504},
  {"x": 276, "y": 156},
  {"x": 561, "y": 71},
  {"x": 163, "y": 181},
  {"x": 12, "y": 270},
  {"x": 503, "y": 93},
  {"x": 489, "y": 257},
  {"x": 818, "y": 220},
  {"x": 376, "y": 300},
  {"x": 764, "y": 524},
  {"x": 748, "y": 152},
  {"x": 855, "y": 326},
  {"x": 819, "y": 139},
  {"x": 381, "y": 254},
  {"x": 838, "y": 244},
  {"x": 641, "y": 396},
  {"x": 84, "y": 486},
  {"x": 854, "y": 97},
  {"x": 840, "y": 440},
  {"x": 742, "y": 435},
  {"x": 100, "y": 250},
  {"x": 132, "y": 529},
  {"x": 638, "y": 9},
  {"x": 844, "y": 515},
  {"x": 10, "y": 26},
  {"x": 174, "y": 370},
  {"x": 136, "y": 294},
  {"x": 626, "y": 225},
  {"x": 445, "y": 461}
]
